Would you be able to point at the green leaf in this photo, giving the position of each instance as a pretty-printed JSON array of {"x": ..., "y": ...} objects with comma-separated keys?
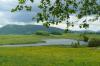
[
  {"x": 22, "y": 1},
  {"x": 28, "y": 8},
  {"x": 46, "y": 24},
  {"x": 32, "y": 1}
]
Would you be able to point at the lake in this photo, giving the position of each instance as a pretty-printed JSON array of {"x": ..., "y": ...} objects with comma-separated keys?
[{"x": 49, "y": 42}]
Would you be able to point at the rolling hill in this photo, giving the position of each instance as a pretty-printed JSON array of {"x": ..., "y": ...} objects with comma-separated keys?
[{"x": 25, "y": 29}]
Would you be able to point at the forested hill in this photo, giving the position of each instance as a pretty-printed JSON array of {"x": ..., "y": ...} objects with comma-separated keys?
[{"x": 25, "y": 29}]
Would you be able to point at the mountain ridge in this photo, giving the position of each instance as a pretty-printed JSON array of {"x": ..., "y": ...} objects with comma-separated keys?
[{"x": 25, "y": 29}]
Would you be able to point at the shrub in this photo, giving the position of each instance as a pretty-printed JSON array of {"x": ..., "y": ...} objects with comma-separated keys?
[
  {"x": 94, "y": 42},
  {"x": 66, "y": 30},
  {"x": 44, "y": 33},
  {"x": 56, "y": 33},
  {"x": 85, "y": 38},
  {"x": 75, "y": 45}
]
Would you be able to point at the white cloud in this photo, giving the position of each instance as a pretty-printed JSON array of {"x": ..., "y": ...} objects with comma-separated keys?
[{"x": 4, "y": 20}]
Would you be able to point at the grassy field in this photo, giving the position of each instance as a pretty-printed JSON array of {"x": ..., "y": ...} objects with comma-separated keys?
[
  {"x": 46, "y": 55},
  {"x": 49, "y": 56},
  {"x": 29, "y": 39},
  {"x": 19, "y": 39}
]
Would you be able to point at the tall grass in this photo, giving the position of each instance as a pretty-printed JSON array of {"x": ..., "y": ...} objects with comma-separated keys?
[{"x": 49, "y": 56}]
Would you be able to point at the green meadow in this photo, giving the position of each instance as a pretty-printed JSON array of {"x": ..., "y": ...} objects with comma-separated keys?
[
  {"x": 49, "y": 56},
  {"x": 31, "y": 39}
]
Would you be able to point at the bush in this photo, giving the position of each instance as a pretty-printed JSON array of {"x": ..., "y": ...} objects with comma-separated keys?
[
  {"x": 56, "y": 33},
  {"x": 44, "y": 33},
  {"x": 85, "y": 38},
  {"x": 76, "y": 45},
  {"x": 94, "y": 42},
  {"x": 66, "y": 31}
]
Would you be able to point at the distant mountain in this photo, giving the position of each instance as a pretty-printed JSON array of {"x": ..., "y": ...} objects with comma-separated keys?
[{"x": 25, "y": 29}]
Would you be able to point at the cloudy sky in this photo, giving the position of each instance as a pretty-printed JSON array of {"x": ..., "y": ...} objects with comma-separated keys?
[
  {"x": 6, "y": 17},
  {"x": 23, "y": 17}
]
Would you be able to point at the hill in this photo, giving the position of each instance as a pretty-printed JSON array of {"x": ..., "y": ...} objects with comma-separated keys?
[{"x": 25, "y": 29}]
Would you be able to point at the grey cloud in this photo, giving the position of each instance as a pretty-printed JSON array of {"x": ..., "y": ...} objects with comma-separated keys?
[{"x": 22, "y": 16}]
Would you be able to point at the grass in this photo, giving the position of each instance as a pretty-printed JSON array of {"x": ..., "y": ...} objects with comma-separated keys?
[
  {"x": 27, "y": 39},
  {"x": 46, "y": 55},
  {"x": 49, "y": 56},
  {"x": 30, "y": 39},
  {"x": 19, "y": 39}
]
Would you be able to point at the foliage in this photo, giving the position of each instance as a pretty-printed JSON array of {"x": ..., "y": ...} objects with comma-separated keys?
[
  {"x": 75, "y": 45},
  {"x": 51, "y": 13},
  {"x": 56, "y": 33},
  {"x": 54, "y": 12},
  {"x": 94, "y": 42},
  {"x": 84, "y": 25},
  {"x": 85, "y": 38},
  {"x": 88, "y": 7},
  {"x": 66, "y": 31},
  {"x": 44, "y": 33}
]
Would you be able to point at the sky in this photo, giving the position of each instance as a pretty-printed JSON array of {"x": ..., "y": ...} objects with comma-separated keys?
[
  {"x": 24, "y": 18},
  {"x": 6, "y": 17}
]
